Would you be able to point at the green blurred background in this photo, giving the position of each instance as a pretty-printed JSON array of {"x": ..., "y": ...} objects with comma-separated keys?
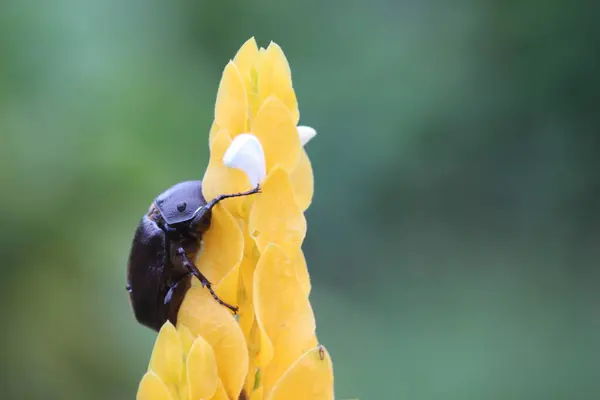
[{"x": 453, "y": 235}]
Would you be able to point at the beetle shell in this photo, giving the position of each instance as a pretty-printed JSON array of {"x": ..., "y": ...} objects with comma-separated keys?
[
  {"x": 179, "y": 203},
  {"x": 149, "y": 274}
]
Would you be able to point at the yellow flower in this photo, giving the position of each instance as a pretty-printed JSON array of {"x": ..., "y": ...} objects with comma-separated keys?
[{"x": 252, "y": 253}]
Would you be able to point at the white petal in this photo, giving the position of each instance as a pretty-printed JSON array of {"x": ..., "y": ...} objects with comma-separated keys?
[
  {"x": 306, "y": 133},
  {"x": 246, "y": 153}
]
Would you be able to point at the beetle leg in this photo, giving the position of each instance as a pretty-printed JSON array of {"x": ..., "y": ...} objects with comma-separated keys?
[
  {"x": 205, "y": 282},
  {"x": 173, "y": 287}
]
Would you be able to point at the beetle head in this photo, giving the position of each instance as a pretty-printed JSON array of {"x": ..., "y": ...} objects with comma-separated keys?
[{"x": 200, "y": 222}]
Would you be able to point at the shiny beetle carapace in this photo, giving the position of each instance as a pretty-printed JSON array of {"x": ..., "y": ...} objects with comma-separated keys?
[{"x": 167, "y": 239}]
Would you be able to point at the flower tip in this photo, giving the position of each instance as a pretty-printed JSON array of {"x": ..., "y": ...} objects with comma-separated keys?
[
  {"x": 306, "y": 133},
  {"x": 247, "y": 154}
]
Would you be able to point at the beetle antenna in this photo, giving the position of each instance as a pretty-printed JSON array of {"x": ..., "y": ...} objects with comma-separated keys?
[{"x": 221, "y": 197}]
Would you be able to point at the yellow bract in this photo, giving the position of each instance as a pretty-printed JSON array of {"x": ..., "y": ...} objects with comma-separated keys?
[
  {"x": 220, "y": 393},
  {"x": 303, "y": 181},
  {"x": 227, "y": 288},
  {"x": 166, "y": 358},
  {"x": 202, "y": 369},
  {"x": 275, "y": 217},
  {"x": 223, "y": 246},
  {"x": 283, "y": 311},
  {"x": 253, "y": 255},
  {"x": 301, "y": 269},
  {"x": 246, "y": 311},
  {"x": 310, "y": 377},
  {"x": 231, "y": 109},
  {"x": 278, "y": 134},
  {"x": 205, "y": 317},
  {"x": 247, "y": 62},
  {"x": 153, "y": 388}
]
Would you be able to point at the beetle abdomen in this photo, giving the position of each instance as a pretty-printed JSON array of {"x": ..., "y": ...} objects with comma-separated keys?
[{"x": 145, "y": 269}]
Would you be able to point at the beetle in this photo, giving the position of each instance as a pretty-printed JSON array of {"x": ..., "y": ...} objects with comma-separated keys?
[{"x": 167, "y": 239}]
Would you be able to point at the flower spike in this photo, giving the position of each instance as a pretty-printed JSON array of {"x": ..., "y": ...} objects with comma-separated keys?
[{"x": 252, "y": 252}]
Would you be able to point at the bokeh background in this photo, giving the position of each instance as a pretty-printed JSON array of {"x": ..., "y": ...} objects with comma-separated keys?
[{"x": 453, "y": 237}]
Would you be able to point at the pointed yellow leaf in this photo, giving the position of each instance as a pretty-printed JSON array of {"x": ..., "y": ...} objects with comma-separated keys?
[
  {"x": 246, "y": 311},
  {"x": 186, "y": 337},
  {"x": 182, "y": 393},
  {"x": 166, "y": 360},
  {"x": 246, "y": 56},
  {"x": 303, "y": 181},
  {"x": 245, "y": 60},
  {"x": 275, "y": 79},
  {"x": 261, "y": 353},
  {"x": 265, "y": 354},
  {"x": 214, "y": 322},
  {"x": 282, "y": 307},
  {"x": 257, "y": 394},
  {"x": 310, "y": 377},
  {"x": 231, "y": 108},
  {"x": 152, "y": 388},
  {"x": 275, "y": 217},
  {"x": 220, "y": 179},
  {"x": 278, "y": 135},
  {"x": 214, "y": 129},
  {"x": 299, "y": 262},
  {"x": 251, "y": 256},
  {"x": 202, "y": 377},
  {"x": 220, "y": 393},
  {"x": 250, "y": 250},
  {"x": 259, "y": 346},
  {"x": 227, "y": 288},
  {"x": 223, "y": 246}
]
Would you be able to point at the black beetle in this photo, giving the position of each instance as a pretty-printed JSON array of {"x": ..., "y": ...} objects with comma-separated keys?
[{"x": 168, "y": 237}]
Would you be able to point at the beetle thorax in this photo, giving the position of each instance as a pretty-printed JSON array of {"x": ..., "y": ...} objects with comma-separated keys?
[{"x": 181, "y": 202}]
